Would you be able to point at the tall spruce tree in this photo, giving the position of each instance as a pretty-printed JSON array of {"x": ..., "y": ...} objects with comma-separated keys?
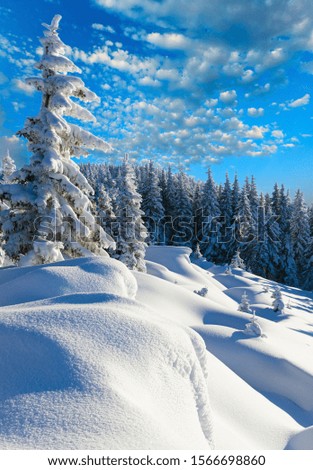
[
  {"x": 288, "y": 274},
  {"x": 152, "y": 205},
  {"x": 245, "y": 234},
  {"x": 300, "y": 234},
  {"x": 183, "y": 214},
  {"x": 226, "y": 209},
  {"x": 51, "y": 213},
  {"x": 211, "y": 236},
  {"x": 130, "y": 230}
]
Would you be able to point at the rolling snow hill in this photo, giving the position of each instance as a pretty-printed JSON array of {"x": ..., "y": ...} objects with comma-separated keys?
[{"x": 95, "y": 356}]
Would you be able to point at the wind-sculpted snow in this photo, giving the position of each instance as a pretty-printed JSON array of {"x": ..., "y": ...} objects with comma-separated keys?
[
  {"x": 272, "y": 371},
  {"x": 95, "y": 356},
  {"x": 90, "y": 367}
]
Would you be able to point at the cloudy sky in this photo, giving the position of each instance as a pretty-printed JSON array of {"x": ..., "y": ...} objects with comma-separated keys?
[{"x": 209, "y": 82}]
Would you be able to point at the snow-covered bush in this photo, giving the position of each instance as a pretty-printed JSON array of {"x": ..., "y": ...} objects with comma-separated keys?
[
  {"x": 276, "y": 293},
  {"x": 278, "y": 303},
  {"x": 237, "y": 262},
  {"x": 202, "y": 292},
  {"x": 244, "y": 306},
  {"x": 228, "y": 270},
  {"x": 253, "y": 328},
  {"x": 50, "y": 209},
  {"x": 196, "y": 254}
]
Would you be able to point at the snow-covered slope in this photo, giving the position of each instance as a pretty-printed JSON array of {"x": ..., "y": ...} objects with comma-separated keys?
[
  {"x": 92, "y": 368},
  {"x": 262, "y": 387},
  {"x": 94, "y": 356}
]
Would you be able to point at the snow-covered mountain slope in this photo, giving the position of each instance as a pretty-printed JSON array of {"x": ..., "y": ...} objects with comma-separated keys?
[
  {"x": 270, "y": 383},
  {"x": 92, "y": 368},
  {"x": 94, "y": 356}
]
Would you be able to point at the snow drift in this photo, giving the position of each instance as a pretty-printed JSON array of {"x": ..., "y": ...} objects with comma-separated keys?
[
  {"x": 94, "y": 356},
  {"x": 92, "y": 368}
]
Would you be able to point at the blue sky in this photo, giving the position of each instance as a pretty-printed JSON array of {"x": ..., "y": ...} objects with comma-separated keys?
[{"x": 218, "y": 82}]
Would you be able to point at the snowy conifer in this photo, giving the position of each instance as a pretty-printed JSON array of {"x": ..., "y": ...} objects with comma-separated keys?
[
  {"x": 278, "y": 303},
  {"x": 288, "y": 273},
  {"x": 253, "y": 328},
  {"x": 244, "y": 305},
  {"x": 300, "y": 234},
  {"x": 237, "y": 262},
  {"x": 227, "y": 230},
  {"x": 210, "y": 236},
  {"x": 105, "y": 212},
  {"x": 131, "y": 236},
  {"x": 245, "y": 227},
  {"x": 168, "y": 195},
  {"x": 183, "y": 214},
  {"x": 50, "y": 206},
  {"x": 197, "y": 252},
  {"x": 8, "y": 168},
  {"x": 152, "y": 205}
]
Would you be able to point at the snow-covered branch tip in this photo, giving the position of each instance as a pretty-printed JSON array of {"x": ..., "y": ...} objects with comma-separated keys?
[{"x": 54, "y": 26}]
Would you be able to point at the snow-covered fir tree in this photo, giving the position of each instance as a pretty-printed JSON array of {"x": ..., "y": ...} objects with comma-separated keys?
[
  {"x": 131, "y": 233},
  {"x": 237, "y": 262},
  {"x": 227, "y": 228},
  {"x": 152, "y": 205},
  {"x": 278, "y": 303},
  {"x": 168, "y": 196},
  {"x": 51, "y": 213},
  {"x": 245, "y": 228},
  {"x": 300, "y": 234},
  {"x": 8, "y": 168},
  {"x": 267, "y": 250},
  {"x": 210, "y": 236},
  {"x": 244, "y": 305},
  {"x": 105, "y": 212},
  {"x": 197, "y": 252},
  {"x": 288, "y": 274},
  {"x": 253, "y": 328},
  {"x": 183, "y": 215}
]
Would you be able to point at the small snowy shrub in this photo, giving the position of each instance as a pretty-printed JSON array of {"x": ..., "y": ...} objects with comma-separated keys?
[
  {"x": 244, "y": 306},
  {"x": 237, "y": 262},
  {"x": 278, "y": 303},
  {"x": 202, "y": 292},
  {"x": 253, "y": 328}
]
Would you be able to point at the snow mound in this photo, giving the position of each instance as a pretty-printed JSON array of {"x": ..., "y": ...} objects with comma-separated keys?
[
  {"x": 81, "y": 275},
  {"x": 302, "y": 441},
  {"x": 91, "y": 369},
  {"x": 261, "y": 390}
]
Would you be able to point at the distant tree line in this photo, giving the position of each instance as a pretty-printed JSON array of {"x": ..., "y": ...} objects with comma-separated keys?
[{"x": 273, "y": 233}]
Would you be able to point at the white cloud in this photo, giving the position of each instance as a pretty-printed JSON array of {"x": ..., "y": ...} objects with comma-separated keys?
[
  {"x": 98, "y": 26},
  {"x": 169, "y": 40},
  {"x": 167, "y": 74},
  {"x": 101, "y": 27},
  {"x": 300, "y": 101},
  {"x": 21, "y": 86},
  {"x": 256, "y": 132},
  {"x": 148, "y": 81},
  {"x": 278, "y": 134},
  {"x": 255, "y": 112},
  {"x": 228, "y": 97},
  {"x": 211, "y": 102}
]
